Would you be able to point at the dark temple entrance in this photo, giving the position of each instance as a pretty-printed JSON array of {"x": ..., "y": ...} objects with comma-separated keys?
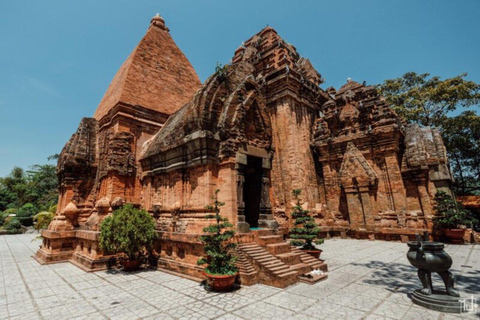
[{"x": 252, "y": 190}]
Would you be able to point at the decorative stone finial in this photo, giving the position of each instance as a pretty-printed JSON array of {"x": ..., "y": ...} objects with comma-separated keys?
[
  {"x": 158, "y": 22},
  {"x": 103, "y": 203},
  {"x": 117, "y": 203},
  {"x": 70, "y": 210}
]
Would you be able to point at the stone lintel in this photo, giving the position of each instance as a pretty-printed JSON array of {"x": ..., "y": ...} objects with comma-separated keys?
[
  {"x": 88, "y": 234},
  {"x": 256, "y": 152},
  {"x": 58, "y": 234}
]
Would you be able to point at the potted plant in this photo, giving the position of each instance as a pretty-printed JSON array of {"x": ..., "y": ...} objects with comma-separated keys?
[
  {"x": 221, "y": 270},
  {"x": 450, "y": 217},
  {"x": 305, "y": 230},
  {"x": 129, "y": 231}
]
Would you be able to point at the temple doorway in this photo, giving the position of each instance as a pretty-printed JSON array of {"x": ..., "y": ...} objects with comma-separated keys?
[{"x": 252, "y": 190}]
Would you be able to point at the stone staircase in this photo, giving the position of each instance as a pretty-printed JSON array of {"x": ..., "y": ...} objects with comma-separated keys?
[
  {"x": 273, "y": 261},
  {"x": 248, "y": 274}
]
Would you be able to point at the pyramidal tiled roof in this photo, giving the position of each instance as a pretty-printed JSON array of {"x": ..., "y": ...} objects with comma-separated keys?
[{"x": 156, "y": 75}]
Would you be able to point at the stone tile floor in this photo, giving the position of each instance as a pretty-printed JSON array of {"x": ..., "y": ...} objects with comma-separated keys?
[{"x": 367, "y": 280}]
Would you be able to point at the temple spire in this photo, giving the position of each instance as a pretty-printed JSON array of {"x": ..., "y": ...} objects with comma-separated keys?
[
  {"x": 159, "y": 22},
  {"x": 155, "y": 76}
]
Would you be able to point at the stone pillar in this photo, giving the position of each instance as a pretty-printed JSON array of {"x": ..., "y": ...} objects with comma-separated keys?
[
  {"x": 242, "y": 225},
  {"x": 332, "y": 189},
  {"x": 266, "y": 219},
  {"x": 395, "y": 178},
  {"x": 424, "y": 198},
  {"x": 367, "y": 210},
  {"x": 227, "y": 179}
]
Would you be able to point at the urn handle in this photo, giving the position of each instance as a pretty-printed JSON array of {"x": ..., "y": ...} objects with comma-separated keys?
[{"x": 420, "y": 244}]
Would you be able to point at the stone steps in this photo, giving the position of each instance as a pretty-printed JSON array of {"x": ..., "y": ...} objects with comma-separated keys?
[
  {"x": 290, "y": 258},
  {"x": 301, "y": 268},
  {"x": 275, "y": 261},
  {"x": 278, "y": 248},
  {"x": 264, "y": 240},
  {"x": 247, "y": 273},
  {"x": 270, "y": 269},
  {"x": 311, "y": 261}
]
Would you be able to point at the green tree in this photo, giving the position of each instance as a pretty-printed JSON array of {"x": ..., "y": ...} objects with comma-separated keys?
[
  {"x": 450, "y": 214},
  {"x": 305, "y": 230},
  {"x": 427, "y": 100},
  {"x": 38, "y": 186},
  {"x": 13, "y": 188},
  {"x": 461, "y": 135},
  {"x": 42, "y": 185},
  {"x": 128, "y": 230},
  {"x": 218, "y": 248}
]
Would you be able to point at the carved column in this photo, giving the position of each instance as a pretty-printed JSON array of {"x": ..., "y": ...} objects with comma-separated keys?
[
  {"x": 242, "y": 225},
  {"x": 266, "y": 219}
]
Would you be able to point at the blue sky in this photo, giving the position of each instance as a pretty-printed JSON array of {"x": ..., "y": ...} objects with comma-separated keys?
[{"x": 57, "y": 58}]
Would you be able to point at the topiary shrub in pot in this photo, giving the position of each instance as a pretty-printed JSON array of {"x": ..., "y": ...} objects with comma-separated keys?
[
  {"x": 128, "y": 231},
  {"x": 305, "y": 230},
  {"x": 451, "y": 217},
  {"x": 221, "y": 270}
]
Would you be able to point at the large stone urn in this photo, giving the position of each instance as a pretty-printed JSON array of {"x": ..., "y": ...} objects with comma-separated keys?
[{"x": 430, "y": 257}]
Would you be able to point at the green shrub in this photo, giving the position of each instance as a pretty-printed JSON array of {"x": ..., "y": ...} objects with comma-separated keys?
[
  {"x": 306, "y": 230},
  {"x": 28, "y": 207},
  {"x": 25, "y": 217},
  {"x": 13, "y": 226},
  {"x": 450, "y": 214},
  {"x": 43, "y": 219},
  {"x": 10, "y": 211},
  {"x": 220, "y": 252},
  {"x": 128, "y": 230},
  {"x": 3, "y": 218}
]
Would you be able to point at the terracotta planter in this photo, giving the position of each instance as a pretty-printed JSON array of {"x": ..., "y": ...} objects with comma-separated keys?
[
  {"x": 131, "y": 265},
  {"x": 220, "y": 283},
  {"x": 455, "y": 235},
  {"x": 314, "y": 253}
]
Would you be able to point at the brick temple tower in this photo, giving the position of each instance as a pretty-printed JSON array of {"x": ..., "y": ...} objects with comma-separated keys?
[{"x": 101, "y": 159}]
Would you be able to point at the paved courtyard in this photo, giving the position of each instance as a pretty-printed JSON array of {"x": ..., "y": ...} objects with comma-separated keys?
[{"x": 367, "y": 280}]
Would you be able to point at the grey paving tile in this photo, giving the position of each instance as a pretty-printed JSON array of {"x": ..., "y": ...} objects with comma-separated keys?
[{"x": 367, "y": 280}]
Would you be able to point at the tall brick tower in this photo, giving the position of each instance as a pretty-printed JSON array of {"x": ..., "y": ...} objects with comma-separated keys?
[
  {"x": 154, "y": 82},
  {"x": 100, "y": 161},
  {"x": 294, "y": 99}
]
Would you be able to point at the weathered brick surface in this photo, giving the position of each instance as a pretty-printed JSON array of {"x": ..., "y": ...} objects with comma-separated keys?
[
  {"x": 156, "y": 75},
  {"x": 256, "y": 129}
]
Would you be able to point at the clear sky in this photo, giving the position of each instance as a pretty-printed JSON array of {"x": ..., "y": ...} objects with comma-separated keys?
[{"x": 57, "y": 58}]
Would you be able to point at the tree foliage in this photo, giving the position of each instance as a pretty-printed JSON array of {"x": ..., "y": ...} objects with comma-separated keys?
[
  {"x": 305, "y": 230},
  {"x": 43, "y": 218},
  {"x": 450, "y": 214},
  {"x": 25, "y": 193},
  {"x": 429, "y": 101},
  {"x": 461, "y": 135},
  {"x": 13, "y": 226},
  {"x": 220, "y": 258},
  {"x": 128, "y": 230},
  {"x": 38, "y": 186}
]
